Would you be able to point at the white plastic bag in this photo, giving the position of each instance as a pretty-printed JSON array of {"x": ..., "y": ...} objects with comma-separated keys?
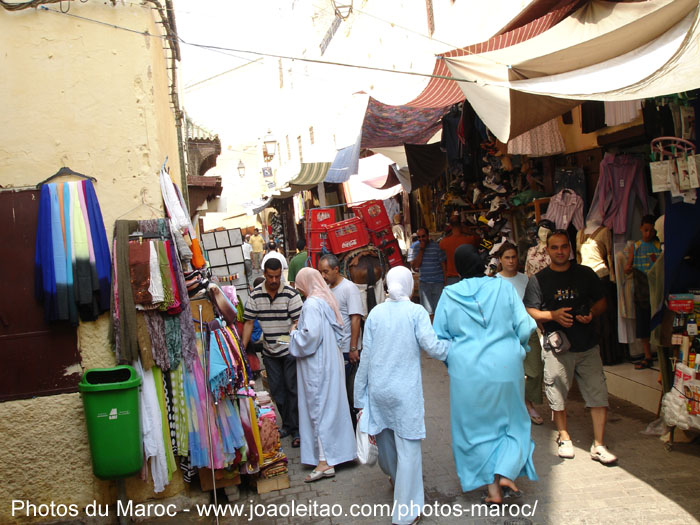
[{"x": 367, "y": 451}]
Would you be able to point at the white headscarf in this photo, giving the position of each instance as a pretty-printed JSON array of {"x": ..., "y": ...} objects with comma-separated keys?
[{"x": 399, "y": 281}]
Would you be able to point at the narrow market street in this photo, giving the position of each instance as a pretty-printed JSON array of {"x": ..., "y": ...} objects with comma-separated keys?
[{"x": 649, "y": 484}]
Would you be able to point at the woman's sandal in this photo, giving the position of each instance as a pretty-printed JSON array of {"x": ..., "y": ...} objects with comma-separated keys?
[
  {"x": 296, "y": 442},
  {"x": 644, "y": 363},
  {"x": 315, "y": 475},
  {"x": 535, "y": 417}
]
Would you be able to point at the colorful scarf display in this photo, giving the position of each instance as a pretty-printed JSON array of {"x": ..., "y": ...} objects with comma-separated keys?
[{"x": 72, "y": 265}]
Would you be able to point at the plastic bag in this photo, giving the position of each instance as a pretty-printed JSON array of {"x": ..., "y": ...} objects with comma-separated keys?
[
  {"x": 655, "y": 428},
  {"x": 367, "y": 451}
]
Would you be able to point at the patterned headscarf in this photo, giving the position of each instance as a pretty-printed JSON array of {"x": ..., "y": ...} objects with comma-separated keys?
[{"x": 309, "y": 282}]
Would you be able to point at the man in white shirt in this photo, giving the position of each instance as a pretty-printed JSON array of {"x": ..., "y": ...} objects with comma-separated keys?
[
  {"x": 350, "y": 305},
  {"x": 247, "y": 260},
  {"x": 272, "y": 253}
]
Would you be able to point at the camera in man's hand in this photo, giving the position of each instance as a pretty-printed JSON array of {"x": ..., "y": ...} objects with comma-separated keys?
[{"x": 582, "y": 309}]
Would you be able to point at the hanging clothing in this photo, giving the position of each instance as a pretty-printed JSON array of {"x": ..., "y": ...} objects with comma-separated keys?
[
  {"x": 621, "y": 112},
  {"x": 564, "y": 208},
  {"x": 324, "y": 413},
  {"x": 594, "y": 249},
  {"x": 151, "y": 425},
  {"x": 537, "y": 259},
  {"x": 67, "y": 282},
  {"x": 542, "y": 141},
  {"x": 570, "y": 178},
  {"x": 489, "y": 329},
  {"x": 592, "y": 116},
  {"x": 621, "y": 182}
]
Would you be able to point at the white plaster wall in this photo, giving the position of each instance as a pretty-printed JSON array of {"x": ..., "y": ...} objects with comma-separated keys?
[{"x": 96, "y": 99}]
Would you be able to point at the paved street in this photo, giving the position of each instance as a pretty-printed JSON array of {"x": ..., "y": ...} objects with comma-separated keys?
[{"x": 649, "y": 485}]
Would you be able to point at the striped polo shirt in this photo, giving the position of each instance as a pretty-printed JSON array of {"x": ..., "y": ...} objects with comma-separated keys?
[
  {"x": 430, "y": 270},
  {"x": 275, "y": 316}
]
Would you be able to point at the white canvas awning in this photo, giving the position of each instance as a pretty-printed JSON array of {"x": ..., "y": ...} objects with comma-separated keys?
[{"x": 602, "y": 51}]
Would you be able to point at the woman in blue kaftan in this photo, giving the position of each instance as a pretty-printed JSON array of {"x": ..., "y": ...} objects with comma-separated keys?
[
  {"x": 489, "y": 329},
  {"x": 325, "y": 427},
  {"x": 389, "y": 390}
]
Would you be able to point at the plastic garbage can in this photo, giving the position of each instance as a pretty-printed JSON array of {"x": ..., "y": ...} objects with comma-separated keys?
[{"x": 111, "y": 403}]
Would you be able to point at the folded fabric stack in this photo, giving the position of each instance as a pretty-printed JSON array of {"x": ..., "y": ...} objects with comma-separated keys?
[{"x": 274, "y": 460}]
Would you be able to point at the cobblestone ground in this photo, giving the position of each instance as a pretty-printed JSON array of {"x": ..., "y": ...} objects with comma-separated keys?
[{"x": 649, "y": 484}]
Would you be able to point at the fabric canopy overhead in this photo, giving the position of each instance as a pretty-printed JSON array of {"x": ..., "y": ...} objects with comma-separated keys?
[
  {"x": 539, "y": 17},
  {"x": 386, "y": 125},
  {"x": 346, "y": 163},
  {"x": 310, "y": 175},
  {"x": 256, "y": 206},
  {"x": 426, "y": 162},
  {"x": 371, "y": 182},
  {"x": 602, "y": 51}
]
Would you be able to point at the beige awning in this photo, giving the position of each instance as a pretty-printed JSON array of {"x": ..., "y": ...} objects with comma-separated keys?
[{"x": 602, "y": 51}]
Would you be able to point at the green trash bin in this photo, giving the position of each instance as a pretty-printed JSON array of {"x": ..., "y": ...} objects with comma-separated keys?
[{"x": 111, "y": 403}]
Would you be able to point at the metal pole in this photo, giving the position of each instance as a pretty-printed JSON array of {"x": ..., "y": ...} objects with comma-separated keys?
[{"x": 206, "y": 394}]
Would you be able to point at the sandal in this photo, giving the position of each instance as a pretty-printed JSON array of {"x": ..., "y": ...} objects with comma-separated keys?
[
  {"x": 296, "y": 442},
  {"x": 644, "y": 363},
  {"x": 534, "y": 416},
  {"x": 318, "y": 474}
]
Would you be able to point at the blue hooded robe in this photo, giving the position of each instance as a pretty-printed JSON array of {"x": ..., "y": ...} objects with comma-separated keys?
[{"x": 489, "y": 329}]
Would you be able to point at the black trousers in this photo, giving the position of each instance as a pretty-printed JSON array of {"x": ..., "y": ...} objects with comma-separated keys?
[{"x": 282, "y": 378}]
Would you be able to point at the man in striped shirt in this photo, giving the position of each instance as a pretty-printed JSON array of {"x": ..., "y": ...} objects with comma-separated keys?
[
  {"x": 429, "y": 260},
  {"x": 277, "y": 308}
]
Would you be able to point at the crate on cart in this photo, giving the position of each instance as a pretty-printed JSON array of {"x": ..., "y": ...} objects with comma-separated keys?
[
  {"x": 374, "y": 214},
  {"x": 347, "y": 235},
  {"x": 319, "y": 217},
  {"x": 317, "y": 239},
  {"x": 393, "y": 253}
]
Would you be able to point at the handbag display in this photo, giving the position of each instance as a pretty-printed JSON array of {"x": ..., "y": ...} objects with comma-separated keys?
[{"x": 556, "y": 342}]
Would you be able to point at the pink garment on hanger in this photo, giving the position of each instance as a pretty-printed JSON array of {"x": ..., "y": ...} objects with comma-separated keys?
[{"x": 621, "y": 182}]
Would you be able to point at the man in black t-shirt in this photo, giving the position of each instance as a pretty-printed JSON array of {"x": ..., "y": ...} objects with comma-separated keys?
[{"x": 565, "y": 297}]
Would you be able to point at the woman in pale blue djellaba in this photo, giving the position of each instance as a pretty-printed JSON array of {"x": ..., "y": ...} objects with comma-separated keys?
[
  {"x": 325, "y": 428},
  {"x": 389, "y": 390},
  {"x": 489, "y": 329}
]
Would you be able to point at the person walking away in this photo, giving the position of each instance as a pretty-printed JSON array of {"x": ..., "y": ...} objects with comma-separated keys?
[
  {"x": 389, "y": 391},
  {"x": 350, "y": 303},
  {"x": 327, "y": 437},
  {"x": 298, "y": 261},
  {"x": 426, "y": 257},
  {"x": 276, "y": 307},
  {"x": 247, "y": 260},
  {"x": 508, "y": 257},
  {"x": 564, "y": 298},
  {"x": 489, "y": 329},
  {"x": 258, "y": 245},
  {"x": 641, "y": 257},
  {"x": 450, "y": 243}
]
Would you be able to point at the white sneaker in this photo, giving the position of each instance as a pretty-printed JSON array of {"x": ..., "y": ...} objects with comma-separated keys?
[
  {"x": 566, "y": 448},
  {"x": 602, "y": 454}
]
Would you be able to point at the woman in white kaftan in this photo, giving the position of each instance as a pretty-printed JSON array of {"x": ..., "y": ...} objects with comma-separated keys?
[
  {"x": 325, "y": 428},
  {"x": 389, "y": 390}
]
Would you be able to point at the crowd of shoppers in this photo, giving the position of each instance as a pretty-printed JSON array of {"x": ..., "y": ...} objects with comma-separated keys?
[{"x": 325, "y": 366}]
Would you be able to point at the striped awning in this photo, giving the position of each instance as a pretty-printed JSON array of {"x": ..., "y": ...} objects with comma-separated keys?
[
  {"x": 441, "y": 92},
  {"x": 311, "y": 174}
]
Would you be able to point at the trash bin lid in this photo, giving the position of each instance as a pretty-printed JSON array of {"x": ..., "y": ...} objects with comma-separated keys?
[{"x": 116, "y": 378}]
